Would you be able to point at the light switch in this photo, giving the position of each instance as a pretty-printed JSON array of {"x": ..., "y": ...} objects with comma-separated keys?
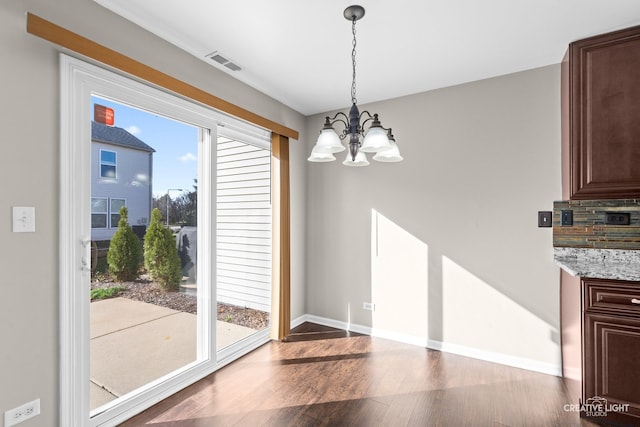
[
  {"x": 24, "y": 219},
  {"x": 544, "y": 218}
]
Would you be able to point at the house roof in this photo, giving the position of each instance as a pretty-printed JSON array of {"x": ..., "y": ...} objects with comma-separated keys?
[{"x": 117, "y": 136}]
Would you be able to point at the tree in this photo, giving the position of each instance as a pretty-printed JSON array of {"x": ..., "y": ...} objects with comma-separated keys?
[
  {"x": 161, "y": 254},
  {"x": 125, "y": 252},
  {"x": 174, "y": 209},
  {"x": 188, "y": 203},
  {"x": 183, "y": 210}
]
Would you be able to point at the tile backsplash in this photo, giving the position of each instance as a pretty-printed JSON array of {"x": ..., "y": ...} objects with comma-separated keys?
[{"x": 589, "y": 229}]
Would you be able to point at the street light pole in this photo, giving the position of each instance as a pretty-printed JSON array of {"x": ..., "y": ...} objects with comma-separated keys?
[{"x": 169, "y": 201}]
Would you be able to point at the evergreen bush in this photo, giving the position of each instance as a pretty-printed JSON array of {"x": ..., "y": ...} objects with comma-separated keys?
[
  {"x": 125, "y": 252},
  {"x": 161, "y": 254}
]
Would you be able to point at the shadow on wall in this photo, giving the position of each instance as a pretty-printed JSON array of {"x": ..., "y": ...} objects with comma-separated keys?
[
  {"x": 479, "y": 160},
  {"x": 455, "y": 307}
]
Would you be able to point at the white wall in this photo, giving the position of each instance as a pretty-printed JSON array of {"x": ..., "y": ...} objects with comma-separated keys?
[
  {"x": 29, "y": 118},
  {"x": 460, "y": 261}
]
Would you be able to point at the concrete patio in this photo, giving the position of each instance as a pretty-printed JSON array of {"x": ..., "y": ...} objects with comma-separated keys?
[{"x": 133, "y": 343}]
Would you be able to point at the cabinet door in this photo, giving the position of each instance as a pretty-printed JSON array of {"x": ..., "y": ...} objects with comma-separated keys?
[
  {"x": 604, "y": 103},
  {"x": 612, "y": 366}
]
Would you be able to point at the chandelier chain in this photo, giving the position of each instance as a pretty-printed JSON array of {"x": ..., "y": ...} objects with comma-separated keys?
[{"x": 353, "y": 62}]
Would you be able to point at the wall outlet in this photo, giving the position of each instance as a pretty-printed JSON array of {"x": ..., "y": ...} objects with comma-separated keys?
[
  {"x": 21, "y": 413},
  {"x": 617, "y": 218},
  {"x": 368, "y": 306}
]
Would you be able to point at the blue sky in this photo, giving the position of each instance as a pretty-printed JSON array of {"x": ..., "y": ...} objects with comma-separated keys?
[{"x": 175, "y": 162}]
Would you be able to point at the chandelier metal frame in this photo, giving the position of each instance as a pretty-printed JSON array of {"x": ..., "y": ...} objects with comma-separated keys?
[{"x": 376, "y": 139}]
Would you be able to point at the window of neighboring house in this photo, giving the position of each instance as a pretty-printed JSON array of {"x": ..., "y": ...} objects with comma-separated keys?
[
  {"x": 107, "y": 164},
  {"x": 98, "y": 212},
  {"x": 116, "y": 204}
]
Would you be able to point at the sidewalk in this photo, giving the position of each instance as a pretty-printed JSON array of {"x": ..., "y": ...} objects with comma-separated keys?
[{"x": 133, "y": 343}]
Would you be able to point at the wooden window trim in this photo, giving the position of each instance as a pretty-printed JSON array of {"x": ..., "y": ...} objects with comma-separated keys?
[
  {"x": 61, "y": 36},
  {"x": 281, "y": 242}
]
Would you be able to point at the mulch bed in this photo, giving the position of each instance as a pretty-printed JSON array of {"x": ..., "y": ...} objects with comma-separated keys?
[{"x": 150, "y": 292}]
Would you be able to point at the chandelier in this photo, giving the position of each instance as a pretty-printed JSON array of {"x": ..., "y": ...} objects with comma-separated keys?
[{"x": 376, "y": 139}]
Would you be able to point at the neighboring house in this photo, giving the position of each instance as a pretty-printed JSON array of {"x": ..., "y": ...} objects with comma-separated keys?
[{"x": 121, "y": 171}]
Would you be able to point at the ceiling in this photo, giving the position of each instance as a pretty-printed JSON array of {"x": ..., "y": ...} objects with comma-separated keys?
[{"x": 299, "y": 52}]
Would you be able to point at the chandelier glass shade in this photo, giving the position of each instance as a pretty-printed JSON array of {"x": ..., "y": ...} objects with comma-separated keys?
[
  {"x": 390, "y": 155},
  {"x": 360, "y": 160},
  {"x": 364, "y": 131}
]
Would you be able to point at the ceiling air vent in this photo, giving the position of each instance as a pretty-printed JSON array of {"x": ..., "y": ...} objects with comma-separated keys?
[{"x": 223, "y": 60}]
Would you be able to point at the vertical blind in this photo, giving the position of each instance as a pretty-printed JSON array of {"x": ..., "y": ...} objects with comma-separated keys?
[{"x": 243, "y": 224}]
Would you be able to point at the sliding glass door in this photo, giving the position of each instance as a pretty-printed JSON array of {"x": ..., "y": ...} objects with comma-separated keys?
[
  {"x": 142, "y": 327},
  {"x": 140, "y": 178}
]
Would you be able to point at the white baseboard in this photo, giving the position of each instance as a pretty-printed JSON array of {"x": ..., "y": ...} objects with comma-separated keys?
[
  {"x": 500, "y": 358},
  {"x": 298, "y": 321},
  {"x": 573, "y": 373}
]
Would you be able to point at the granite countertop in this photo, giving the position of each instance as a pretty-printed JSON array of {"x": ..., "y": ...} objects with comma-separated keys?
[{"x": 599, "y": 263}]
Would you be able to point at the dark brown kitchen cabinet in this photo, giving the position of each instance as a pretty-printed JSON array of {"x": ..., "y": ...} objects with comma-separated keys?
[
  {"x": 611, "y": 350},
  {"x": 601, "y": 117}
]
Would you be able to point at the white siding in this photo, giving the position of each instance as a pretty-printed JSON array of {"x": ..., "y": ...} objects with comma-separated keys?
[{"x": 244, "y": 225}]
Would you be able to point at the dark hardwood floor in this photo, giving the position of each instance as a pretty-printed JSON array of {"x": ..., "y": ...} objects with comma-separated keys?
[{"x": 327, "y": 377}]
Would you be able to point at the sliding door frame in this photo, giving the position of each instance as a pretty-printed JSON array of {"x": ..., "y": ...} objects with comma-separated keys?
[
  {"x": 280, "y": 136},
  {"x": 80, "y": 81},
  {"x": 88, "y": 49}
]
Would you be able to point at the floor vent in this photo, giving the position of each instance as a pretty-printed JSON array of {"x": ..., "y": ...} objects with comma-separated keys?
[{"x": 223, "y": 60}]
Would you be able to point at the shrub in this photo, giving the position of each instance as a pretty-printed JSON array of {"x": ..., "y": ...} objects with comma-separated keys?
[
  {"x": 104, "y": 293},
  {"x": 125, "y": 253},
  {"x": 161, "y": 254}
]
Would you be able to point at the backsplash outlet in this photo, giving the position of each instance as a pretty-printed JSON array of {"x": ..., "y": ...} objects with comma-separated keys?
[{"x": 589, "y": 229}]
